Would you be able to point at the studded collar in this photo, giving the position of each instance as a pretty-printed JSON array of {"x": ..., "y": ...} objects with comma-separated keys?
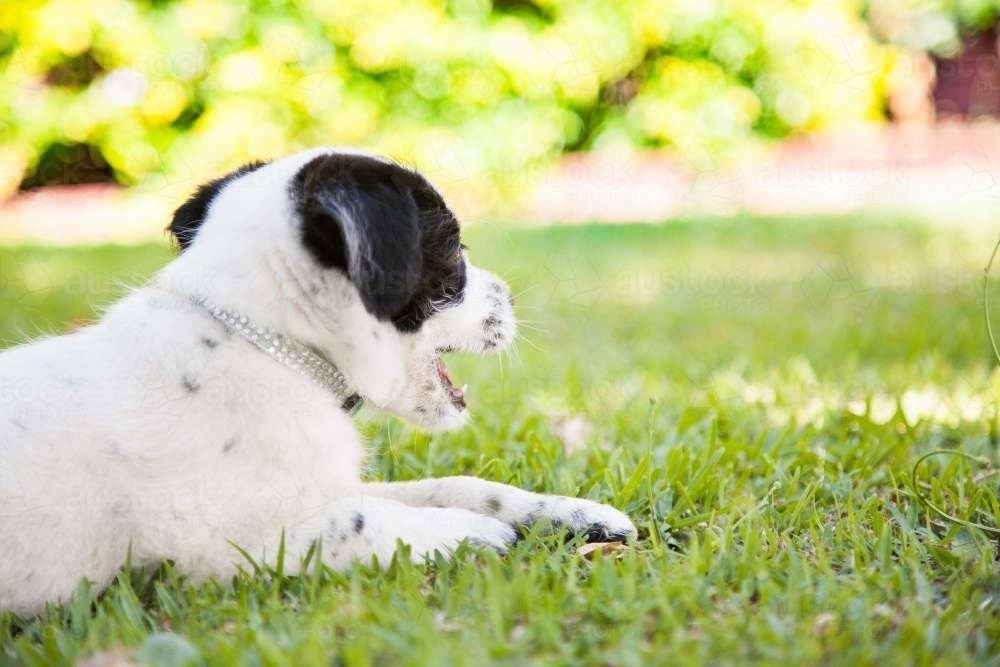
[{"x": 291, "y": 353}]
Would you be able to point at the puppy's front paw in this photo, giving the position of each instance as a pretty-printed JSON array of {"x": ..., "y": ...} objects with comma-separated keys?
[
  {"x": 443, "y": 529},
  {"x": 600, "y": 523}
]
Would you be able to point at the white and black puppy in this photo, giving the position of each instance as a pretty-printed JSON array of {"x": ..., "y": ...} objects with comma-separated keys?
[{"x": 210, "y": 410}]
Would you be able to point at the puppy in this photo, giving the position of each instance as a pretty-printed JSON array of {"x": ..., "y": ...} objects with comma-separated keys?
[{"x": 211, "y": 410}]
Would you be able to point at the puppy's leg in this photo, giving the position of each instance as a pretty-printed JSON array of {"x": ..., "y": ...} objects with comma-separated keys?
[
  {"x": 363, "y": 526},
  {"x": 511, "y": 505}
]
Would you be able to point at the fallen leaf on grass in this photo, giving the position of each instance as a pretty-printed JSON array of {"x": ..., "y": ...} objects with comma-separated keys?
[{"x": 605, "y": 548}]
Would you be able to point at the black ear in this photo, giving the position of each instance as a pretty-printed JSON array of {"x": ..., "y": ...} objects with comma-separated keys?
[
  {"x": 359, "y": 216},
  {"x": 189, "y": 216}
]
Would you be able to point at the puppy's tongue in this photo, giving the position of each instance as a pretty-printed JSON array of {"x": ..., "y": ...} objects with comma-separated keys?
[{"x": 457, "y": 395}]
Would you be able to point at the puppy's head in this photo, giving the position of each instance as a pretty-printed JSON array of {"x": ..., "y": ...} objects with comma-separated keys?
[{"x": 360, "y": 257}]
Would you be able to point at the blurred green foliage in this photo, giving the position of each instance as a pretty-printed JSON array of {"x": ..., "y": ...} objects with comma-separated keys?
[
  {"x": 161, "y": 92},
  {"x": 937, "y": 26}
]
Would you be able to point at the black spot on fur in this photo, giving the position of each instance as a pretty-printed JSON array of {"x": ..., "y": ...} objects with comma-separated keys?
[
  {"x": 210, "y": 342},
  {"x": 189, "y": 216},
  {"x": 490, "y": 323},
  {"x": 18, "y": 423},
  {"x": 358, "y": 521},
  {"x": 387, "y": 229},
  {"x": 190, "y": 384},
  {"x": 230, "y": 443},
  {"x": 496, "y": 289},
  {"x": 493, "y": 505}
]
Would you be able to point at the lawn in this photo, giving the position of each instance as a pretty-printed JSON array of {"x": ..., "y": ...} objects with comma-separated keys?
[{"x": 755, "y": 393}]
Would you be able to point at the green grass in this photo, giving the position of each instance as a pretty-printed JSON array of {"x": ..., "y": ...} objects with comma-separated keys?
[{"x": 754, "y": 393}]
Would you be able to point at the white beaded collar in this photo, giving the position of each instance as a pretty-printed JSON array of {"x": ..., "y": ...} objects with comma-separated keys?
[{"x": 291, "y": 353}]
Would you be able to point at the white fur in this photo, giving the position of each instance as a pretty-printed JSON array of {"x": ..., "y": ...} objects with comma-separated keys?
[{"x": 155, "y": 430}]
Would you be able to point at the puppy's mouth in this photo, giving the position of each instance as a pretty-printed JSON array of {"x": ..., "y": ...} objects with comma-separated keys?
[{"x": 457, "y": 395}]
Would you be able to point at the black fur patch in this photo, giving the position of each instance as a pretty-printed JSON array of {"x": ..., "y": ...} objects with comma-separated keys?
[
  {"x": 189, "y": 216},
  {"x": 387, "y": 229},
  {"x": 493, "y": 506},
  {"x": 190, "y": 383},
  {"x": 358, "y": 521}
]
